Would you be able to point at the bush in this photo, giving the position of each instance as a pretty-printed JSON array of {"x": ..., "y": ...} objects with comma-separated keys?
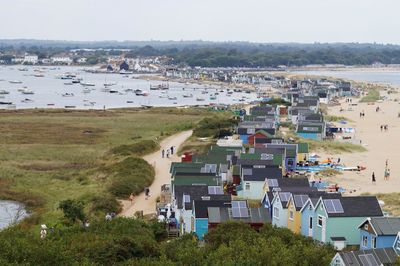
[
  {"x": 131, "y": 175},
  {"x": 215, "y": 127},
  {"x": 105, "y": 204},
  {"x": 140, "y": 148}
]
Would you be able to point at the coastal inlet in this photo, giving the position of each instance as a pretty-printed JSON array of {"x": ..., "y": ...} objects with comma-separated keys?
[{"x": 23, "y": 87}]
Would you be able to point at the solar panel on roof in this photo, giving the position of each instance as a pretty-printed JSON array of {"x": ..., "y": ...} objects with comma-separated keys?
[
  {"x": 215, "y": 190},
  {"x": 285, "y": 196},
  {"x": 244, "y": 212},
  {"x": 272, "y": 182},
  {"x": 186, "y": 198},
  {"x": 337, "y": 205},
  {"x": 333, "y": 206},
  {"x": 300, "y": 200},
  {"x": 236, "y": 212},
  {"x": 368, "y": 260},
  {"x": 247, "y": 171}
]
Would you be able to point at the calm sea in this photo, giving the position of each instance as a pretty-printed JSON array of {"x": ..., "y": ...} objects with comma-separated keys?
[
  {"x": 49, "y": 89},
  {"x": 378, "y": 76}
]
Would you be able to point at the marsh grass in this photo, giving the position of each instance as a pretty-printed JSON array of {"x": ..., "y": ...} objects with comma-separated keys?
[
  {"x": 47, "y": 156},
  {"x": 372, "y": 96}
]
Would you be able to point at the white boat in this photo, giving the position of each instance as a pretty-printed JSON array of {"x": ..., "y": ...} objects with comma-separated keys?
[
  {"x": 86, "y": 90},
  {"x": 2, "y": 92},
  {"x": 15, "y": 81},
  {"x": 125, "y": 72},
  {"x": 109, "y": 84},
  {"x": 199, "y": 99},
  {"x": 38, "y": 75},
  {"x": 68, "y": 94},
  {"x": 172, "y": 98},
  {"x": 23, "y": 69},
  {"x": 27, "y": 91},
  {"x": 68, "y": 83},
  {"x": 87, "y": 84}
]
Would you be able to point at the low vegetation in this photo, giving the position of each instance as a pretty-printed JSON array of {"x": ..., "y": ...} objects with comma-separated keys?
[
  {"x": 140, "y": 148},
  {"x": 334, "y": 118},
  {"x": 333, "y": 146},
  {"x": 125, "y": 241},
  {"x": 216, "y": 126},
  {"x": 207, "y": 131},
  {"x": 392, "y": 203},
  {"x": 372, "y": 96},
  {"x": 277, "y": 101},
  {"x": 131, "y": 175},
  {"x": 47, "y": 156}
]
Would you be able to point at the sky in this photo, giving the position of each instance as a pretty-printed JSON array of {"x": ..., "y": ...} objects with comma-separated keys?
[{"x": 304, "y": 21}]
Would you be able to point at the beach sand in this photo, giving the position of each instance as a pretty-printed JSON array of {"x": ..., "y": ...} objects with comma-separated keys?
[{"x": 381, "y": 146}]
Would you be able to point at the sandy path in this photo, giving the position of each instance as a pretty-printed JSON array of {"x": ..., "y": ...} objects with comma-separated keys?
[
  {"x": 380, "y": 145},
  {"x": 161, "y": 166}
]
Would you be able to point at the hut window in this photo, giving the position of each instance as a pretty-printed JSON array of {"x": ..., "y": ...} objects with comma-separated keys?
[
  {"x": 365, "y": 241},
  {"x": 291, "y": 215},
  {"x": 319, "y": 220},
  {"x": 247, "y": 186}
]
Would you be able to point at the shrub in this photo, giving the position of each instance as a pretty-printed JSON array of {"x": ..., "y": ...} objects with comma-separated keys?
[
  {"x": 140, "y": 148},
  {"x": 214, "y": 127},
  {"x": 105, "y": 204},
  {"x": 131, "y": 175}
]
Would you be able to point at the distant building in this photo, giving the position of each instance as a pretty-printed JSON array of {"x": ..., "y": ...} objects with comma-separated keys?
[
  {"x": 63, "y": 60},
  {"x": 31, "y": 59}
]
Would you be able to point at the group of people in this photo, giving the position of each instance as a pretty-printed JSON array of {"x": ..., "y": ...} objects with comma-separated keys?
[
  {"x": 110, "y": 216},
  {"x": 384, "y": 127},
  {"x": 167, "y": 152},
  {"x": 386, "y": 175},
  {"x": 362, "y": 114}
]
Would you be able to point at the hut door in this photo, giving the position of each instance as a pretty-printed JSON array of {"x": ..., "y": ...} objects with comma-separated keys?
[
  {"x": 323, "y": 229},
  {"x": 310, "y": 226}
]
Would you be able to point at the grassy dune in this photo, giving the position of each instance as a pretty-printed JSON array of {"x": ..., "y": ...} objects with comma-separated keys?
[
  {"x": 372, "y": 96},
  {"x": 49, "y": 156}
]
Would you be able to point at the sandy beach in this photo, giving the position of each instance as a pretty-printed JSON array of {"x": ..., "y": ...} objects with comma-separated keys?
[{"x": 381, "y": 146}]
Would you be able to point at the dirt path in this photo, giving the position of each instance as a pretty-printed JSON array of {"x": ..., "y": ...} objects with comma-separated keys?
[{"x": 161, "y": 166}]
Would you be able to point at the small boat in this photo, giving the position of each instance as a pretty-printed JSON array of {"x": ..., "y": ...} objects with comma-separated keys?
[
  {"x": 113, "y": 91},
  {"x": 187, "y": 95},
  {"x": 26, "y": 100},
  {"x": 129, "y": 101},
  {"x": 5, "y": 103},
  {"x": 68, "y": 83},
  {"x": 87, "y": 84},
  {"x": 50, "y": 104},
  {"x": 69, "y": 106},
  {"x": 86, "y": 90},
  {"x": 141, "y": 93},
  {"x": 172, "y": 98},
  {"x": 23, "y": 69},
  {"x": 27, "y": 91},
  {"x": 128, "y": 90},
  {"x": 199, "y": 99},
  {"x": 15, "y": 81},
  {"x": 125, "y": 72},
  {"x": 163, "y": 96},
  {"x": 68, "y": 94},
  {"x": 159, "y": 87},
  {"x": 76, "y": 81},
  {"x": 38, "y": 75},
  {"x": 109, "y": 84},
  {"x": 213, "y": 98},
  {"x": 2, "y": 92}
]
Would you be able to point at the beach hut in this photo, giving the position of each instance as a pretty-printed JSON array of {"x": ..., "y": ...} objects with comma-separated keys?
[
  {"x": 379, "y": 232},
  {"x": 340, "y": 218}
]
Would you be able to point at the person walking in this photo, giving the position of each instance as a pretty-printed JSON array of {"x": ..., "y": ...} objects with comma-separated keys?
[
  {"x": 172, "y": 150},
  {"x": 131, "y": 198},
  {"x": 168, "y": 153},
  {"x": 162, "y": 153},
  {"x": 373, "y": 178}
]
